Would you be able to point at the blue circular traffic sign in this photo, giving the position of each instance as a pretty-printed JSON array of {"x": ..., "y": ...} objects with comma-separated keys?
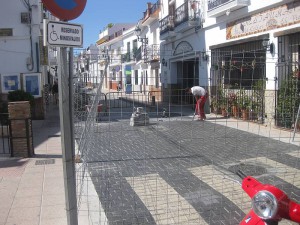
[{"x": 65, "y": 9}]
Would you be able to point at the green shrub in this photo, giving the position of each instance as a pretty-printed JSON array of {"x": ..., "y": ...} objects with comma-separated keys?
[
  {"x": 288, "y": 101},
  {"x": 20, "y": 95}
]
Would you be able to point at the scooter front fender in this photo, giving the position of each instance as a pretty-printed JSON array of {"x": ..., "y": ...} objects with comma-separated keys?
[{"x": 251, "y": 186}]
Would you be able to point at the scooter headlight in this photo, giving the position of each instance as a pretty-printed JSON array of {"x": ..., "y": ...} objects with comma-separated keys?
[{"x": 265, "y": 205}]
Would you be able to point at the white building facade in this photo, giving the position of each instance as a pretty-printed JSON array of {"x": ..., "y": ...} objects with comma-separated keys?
[
  {"x": 112, "y": 53},
  {"x": 130, "y": 55},
  {"x": 233, "y": 44},
  {"x": 21, "y": 49},
  {"x": 182, "y": 47},
  {"x": 20, "y": 29}
]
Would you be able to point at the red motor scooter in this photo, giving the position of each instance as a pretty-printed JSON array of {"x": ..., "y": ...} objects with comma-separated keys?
[{"x": 269, "y": 204}]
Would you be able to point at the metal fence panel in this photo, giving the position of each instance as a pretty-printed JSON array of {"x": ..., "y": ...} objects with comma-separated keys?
[{"x": 176, "y": 169}]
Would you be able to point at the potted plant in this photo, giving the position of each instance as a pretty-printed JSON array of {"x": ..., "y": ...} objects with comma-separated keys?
[
  {"x": 253, "y": 109},
  {"x": 224, "y": 108},
  {"x": 214, "y": 105},
  {"x": 244, "y": 104},
  {"x": 217, "y": 101},
  {"x": 288, "y": 101},
  {"x": 258, "y": 89},
  {"x": 233, "y": 102}
]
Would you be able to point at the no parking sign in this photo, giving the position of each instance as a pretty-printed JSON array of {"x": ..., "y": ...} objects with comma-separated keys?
[{"x": 65, "y": 9}]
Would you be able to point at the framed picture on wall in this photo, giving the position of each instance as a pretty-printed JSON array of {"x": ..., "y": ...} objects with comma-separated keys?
[
  {"x": 32, "y": 84},
  {"x": 10, "y": 82}
]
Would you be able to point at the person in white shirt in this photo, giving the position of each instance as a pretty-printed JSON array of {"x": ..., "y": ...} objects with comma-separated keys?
[{"x": 200, "y": 95}]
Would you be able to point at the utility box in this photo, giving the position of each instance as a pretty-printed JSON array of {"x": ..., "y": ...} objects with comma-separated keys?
[{"x": 20, "y": 129}]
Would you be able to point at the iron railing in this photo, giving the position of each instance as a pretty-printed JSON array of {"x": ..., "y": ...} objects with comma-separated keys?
[
  {"x": 288, "y": 81},
  {"x": 155, "y": 7},
  {"x": 213, "y": 4},
  {"x": 181, "y": 14},
  {"x": 166, "y": 24},
  {"x": 5, "y": 145},
  {"x": 127, "y": 57},
  {"x": 138, "y": 54},
  {"x": 153, "y": 52}
]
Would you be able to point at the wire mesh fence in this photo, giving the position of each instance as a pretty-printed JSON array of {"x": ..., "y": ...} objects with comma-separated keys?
[{"x": 174, "y": 169}]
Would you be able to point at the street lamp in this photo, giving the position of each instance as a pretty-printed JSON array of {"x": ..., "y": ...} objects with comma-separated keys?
[
  {"x": 144, "y": 41},
  {"x": 268, "y": 46},
  {"x": 138, "y": 34},
  {"x": 164, "y": 62}
]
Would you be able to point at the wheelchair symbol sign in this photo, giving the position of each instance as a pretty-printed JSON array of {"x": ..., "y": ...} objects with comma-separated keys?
[
  {"x": 62, "y": 34},
  {"x": 65, "y": 9},
  {"x": 53, "y": 34}
]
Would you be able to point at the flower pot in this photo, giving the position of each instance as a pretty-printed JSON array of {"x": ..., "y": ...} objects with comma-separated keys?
[
  {"x": 252, "y": 115},
  {"x": 235, "y": 111},
  {"x": 245, "y": 114},
  {"x": 219, "y": 111},
  {"x": 224, "y": 113},
  {"x": 216, "y": 110}
]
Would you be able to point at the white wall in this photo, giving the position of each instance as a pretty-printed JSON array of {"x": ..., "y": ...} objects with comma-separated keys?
[{"x": 15, "y": 50}]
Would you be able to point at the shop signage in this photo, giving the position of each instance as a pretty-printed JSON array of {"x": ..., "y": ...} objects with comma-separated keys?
[
  {"x": 274, "y": 18},
  {"x": 128, "y": 84}
]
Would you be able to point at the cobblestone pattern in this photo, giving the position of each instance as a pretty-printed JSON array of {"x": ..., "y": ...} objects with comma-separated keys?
[{"x": 171, "y": 148}]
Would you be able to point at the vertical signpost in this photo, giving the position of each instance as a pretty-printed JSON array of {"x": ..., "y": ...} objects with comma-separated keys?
[{"x": 66, "y": 35}]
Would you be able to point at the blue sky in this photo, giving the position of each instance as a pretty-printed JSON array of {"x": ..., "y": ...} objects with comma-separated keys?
[{"x": 98, "y": 13}]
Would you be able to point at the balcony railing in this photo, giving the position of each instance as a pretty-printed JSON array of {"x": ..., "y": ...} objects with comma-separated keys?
[
  {"x": 219, "y": 7},
  {"x": 112, "y": 36},
  {"x": 142, "y": 54},
  {"x": 155, "y": 7},
  {"x": 115, "y": 59},
  {"x": 153, "y": 52},
  {"x": 188, "y": 11},
  {"x": 127, "y": 57},
  {"x": 138, "y": 54},
  {"x": 116, "y": 34},
  {"x": 166, "y": 24},
  {"x": 212, "y": 4},
  {"x": 181, "y": 14}
]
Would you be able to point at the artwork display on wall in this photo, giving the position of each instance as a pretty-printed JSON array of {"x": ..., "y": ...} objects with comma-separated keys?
[
  {"x": 10, "y": 82},
  {"x": 32, "y": 84}
]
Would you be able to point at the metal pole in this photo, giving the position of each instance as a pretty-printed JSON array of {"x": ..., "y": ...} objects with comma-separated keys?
[
  {"x": 65, "y": 110},
  {"x": 296, "y": 122}
]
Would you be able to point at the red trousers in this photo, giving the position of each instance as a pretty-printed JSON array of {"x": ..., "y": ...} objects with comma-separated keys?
[{"x": 200, "y": 102}]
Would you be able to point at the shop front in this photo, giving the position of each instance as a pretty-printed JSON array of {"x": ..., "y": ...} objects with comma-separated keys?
[{"x": 257, "y": 66}]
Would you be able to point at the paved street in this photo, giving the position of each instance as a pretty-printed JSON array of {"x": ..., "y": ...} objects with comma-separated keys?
[{"x": 179, "y": 171}]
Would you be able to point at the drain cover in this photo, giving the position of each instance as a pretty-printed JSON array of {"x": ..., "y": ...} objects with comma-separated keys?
[
  {"x": 248, "y": 169},
  {"x": 44, "y": 161}
]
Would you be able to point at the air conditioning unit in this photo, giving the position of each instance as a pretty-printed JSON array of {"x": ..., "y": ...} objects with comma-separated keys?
[{"x": 25, "y": 17}]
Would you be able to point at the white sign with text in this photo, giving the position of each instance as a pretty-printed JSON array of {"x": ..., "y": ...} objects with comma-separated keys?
[{"x": 63, "y": 34}]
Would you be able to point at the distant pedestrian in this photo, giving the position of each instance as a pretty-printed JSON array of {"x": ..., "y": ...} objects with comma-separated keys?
[
  {"x": 55, "y": 92},
  {"x": 200, "y": 95},
  {"x": 119, "y": 86}
]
